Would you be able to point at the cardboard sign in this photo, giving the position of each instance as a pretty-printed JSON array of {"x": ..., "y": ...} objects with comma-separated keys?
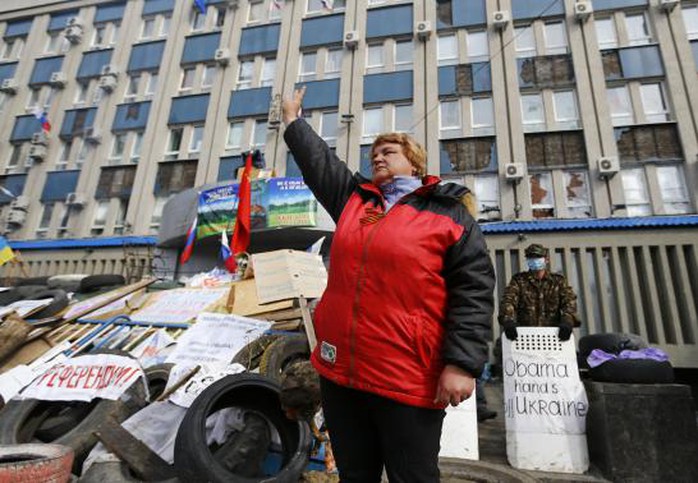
[
  {"x": 545, "y": 404},
  {"x": 459, "y": 436},
  {"x": 24, "y": 307},
  {"x": 85, "y": 378},
  {"x": 178, "y": 305},
  {"x": 286, "y": 274},
  {"x": 207, "y": 375},
  {"x": 216, "y": 338}
]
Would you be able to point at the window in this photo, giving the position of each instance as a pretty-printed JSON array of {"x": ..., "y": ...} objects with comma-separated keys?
[
  {"x": 578, "y": 198},
  {"x": 373, "y": 122},
  {"x": 268, "y": 72},
  {"x": 220, "y": 17},
  {"x": 672, "y": 187},
  {"x": 328, "y": 125},
  {"x": 99, "y": 37},
  {"x": 259, "y": 135},
  {"x": 174, "y": 143},
  {"x": 187, "y": 78},
  {"x": 275, "y": 9},
  {"x": 482, "y": 111},
  {"x": 638, "y": 29},
  {"x": 315, "y": 6},
  {"x": 82, "y": 153},
  {"x": 486, "y": 190},
  {"x": 81, "y": 94},
  {"x": 234, "y": 140},
  {"x": 565, "y": 106},
  {"x": 197, "y": 137},
  {"x": 64, "y": 156},
  {"x": 15, "y": 155},
  {"x": 245, "y": 74},
  {"x": 132, "y": 88},
  {"x": 449, "y": 119},
  {"x": 158, "y": 206},
  {"x": 653, "y": 104},
  {"x": 533, "y": 114},
  {"x": 606, "y": 33},
  {"x": 403, "y": 118},
  {"x": 690, "y": 20},
  {"x": 447, "y": 50},
  {"x": 478, "y": 49},
  {"x": 208, "y": 76},
  {"x": 46, "y": 215},
  {"x": 620, "y": 106},
  {"x": 256, "y": 13},
  {"x": 375, "y": 61},
  {"x": 152, "y": 85},
  {"x": 148, "y": 28},
  {"x": 115, "y": 28},
  {"x": 34, "y": 95},
  {"x": 555, "y": 38},
  {"x": 542, "y": 196},
  {"x": 99, "y": 219},
  {"x": 637, "y": 199},
  {"x": 50, "y": 95},
  {"x": 55, "y": 43},
  {"x": 136, "y": 147},
  {"x": 65, "y": 218},
  {"x": 117, "y": 149},
  {"x": 524, "y": 41},
  {"x": 333, "y": 64},
  {"x": 308, "y": 63},
  {"x": 120, "y": 218},
  {"x": 165, "y": 25},
  {"x": 197, "y": 20},
  {"x": 403, "y": 55}
]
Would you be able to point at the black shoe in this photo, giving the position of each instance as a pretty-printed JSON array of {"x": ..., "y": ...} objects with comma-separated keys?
[{"x": 485, "y": 414}]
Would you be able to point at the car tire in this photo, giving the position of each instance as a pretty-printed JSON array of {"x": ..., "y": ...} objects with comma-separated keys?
[
  {"x": 611, "y": 342},
  {"x": 58, "y": 303},
  {"x": 35, "y": 463},
  {"x": 282, "y": 353},
  {"x": 250, "y": 355},
  {"x": 96, "y": 282},
  {"x": 633, "y": 371}
]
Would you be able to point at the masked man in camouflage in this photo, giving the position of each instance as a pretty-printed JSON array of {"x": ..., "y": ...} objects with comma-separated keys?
[{"x": 538, "y": 298}]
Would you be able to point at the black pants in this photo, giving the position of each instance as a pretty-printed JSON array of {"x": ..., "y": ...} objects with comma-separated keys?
[{"x": 368, "y": 431}]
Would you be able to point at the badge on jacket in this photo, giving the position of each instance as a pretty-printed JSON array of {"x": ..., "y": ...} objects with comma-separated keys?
[{"x": 328, "y": 352}]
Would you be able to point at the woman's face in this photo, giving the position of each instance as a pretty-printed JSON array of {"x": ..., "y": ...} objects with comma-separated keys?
[{"x": 389, "y": 161}]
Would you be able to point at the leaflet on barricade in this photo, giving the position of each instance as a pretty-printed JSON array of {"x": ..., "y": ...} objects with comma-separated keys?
[
  {"x": 19, "y": 377},
  {"x": 85, "y": 378},
  {"x": 204, "y": 377},
  {"x": 179, "y": 305},
  {"x": 216, "y": 338},
  {"x": 147, "y": 351}
]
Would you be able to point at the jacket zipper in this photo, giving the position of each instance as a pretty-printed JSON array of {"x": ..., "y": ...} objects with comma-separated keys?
[{"x": 355, "y": 311}]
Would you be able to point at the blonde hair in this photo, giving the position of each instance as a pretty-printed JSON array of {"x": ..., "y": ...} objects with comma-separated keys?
[{"x": 413, "y": 151}]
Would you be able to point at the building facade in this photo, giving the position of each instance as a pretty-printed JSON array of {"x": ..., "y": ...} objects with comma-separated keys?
[{"x": 574, "y": 123}]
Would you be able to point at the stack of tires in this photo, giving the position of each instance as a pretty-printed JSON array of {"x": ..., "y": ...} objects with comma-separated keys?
[{"x": 629, "y": 371}]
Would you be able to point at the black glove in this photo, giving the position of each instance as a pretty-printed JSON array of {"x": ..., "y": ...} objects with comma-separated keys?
[
  {"x": 510, "y": 331},
  {"x": 564, "y": 332}
]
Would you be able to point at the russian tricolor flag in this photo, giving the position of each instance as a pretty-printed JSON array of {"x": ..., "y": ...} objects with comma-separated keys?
[
  {"x": 227, "y": 254},
  {"x": 189, "y": 246},
  {"x": 40, "y": 114}
]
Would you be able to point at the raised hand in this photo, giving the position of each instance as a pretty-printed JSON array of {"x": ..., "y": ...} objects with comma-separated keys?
[{"x": 292, "y": 107}]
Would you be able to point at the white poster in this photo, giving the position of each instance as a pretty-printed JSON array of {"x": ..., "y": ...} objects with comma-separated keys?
[
  {"x": 286, "y": 274},
  {"x": 178, "y": 305},
  {"x": 85, "y": 378},
  {"x": 205, "y": 376},
  {"x": 216, "y": 338}
]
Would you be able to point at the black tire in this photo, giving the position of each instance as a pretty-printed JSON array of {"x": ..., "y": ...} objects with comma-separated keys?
[
  {"x": 282, "y": 353},
  {"x": 59, "y": 302},
  {"x": 157, "y": 376},
  {"x": 95, "y": 282},
  {"x": 61, "y": 419},
  {"x": 21, "y": 419},
  {"x": 28, "y": 291},
  {"x": 9, "y": 296},
  {"x": 612, "y": 342},
  {"x": 35, "y": 463},
  {"x": 250, "y": 355},
  {"x": 69, "y": 283},
  {"x": 31, "y": 281},
  {"x": 245, "y": 452},
  {"x": 633, "y": 371},
  {"x": 194, "y": 460}
]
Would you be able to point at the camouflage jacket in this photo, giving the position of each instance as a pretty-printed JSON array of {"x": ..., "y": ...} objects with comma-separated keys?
[{"x": 547, "y": 302}]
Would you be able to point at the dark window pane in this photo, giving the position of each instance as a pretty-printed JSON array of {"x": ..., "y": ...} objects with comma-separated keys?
[
  {"x": 546, "y": 71},
  {"x": 175, "y": 177},
  {"x": 464, "y": 80},
  {"x": 473, "y": 155},
  {"x": 555, "y": 149},
  {"x": 648, "y": 143},
  {"x": 611, "y": 64},
  {"x": 115, "y": 183},
  {"x": 444, "y": 13}
]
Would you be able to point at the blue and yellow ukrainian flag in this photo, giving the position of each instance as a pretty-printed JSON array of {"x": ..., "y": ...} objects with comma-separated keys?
[{"x": 6, "y": 253}]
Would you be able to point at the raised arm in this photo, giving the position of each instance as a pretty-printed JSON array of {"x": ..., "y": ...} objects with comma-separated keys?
[{"x": 325, "y": 174}]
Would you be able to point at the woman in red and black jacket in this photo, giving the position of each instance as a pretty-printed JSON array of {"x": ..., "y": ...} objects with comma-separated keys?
[{"x": 402, "y": 327}]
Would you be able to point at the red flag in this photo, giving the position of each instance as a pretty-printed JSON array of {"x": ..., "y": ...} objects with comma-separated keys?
[{"x": 241, "y": 233}]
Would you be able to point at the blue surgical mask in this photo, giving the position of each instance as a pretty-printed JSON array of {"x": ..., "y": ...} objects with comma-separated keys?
[{"x": 535, "y": 264}]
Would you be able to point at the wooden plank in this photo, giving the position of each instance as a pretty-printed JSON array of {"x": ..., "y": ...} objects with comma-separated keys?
[
  {"x": 656, "y": 315},
  {"x": 673, "y": 325},
  {"x": 140, "y": 458},
  {"x": 636, "y": 295},
  {"x": 247, "y": 304},
  {"x": 308, "y": 323},
  {"x": 280, "y": 315},
  {"x": 619, "y": 285}
]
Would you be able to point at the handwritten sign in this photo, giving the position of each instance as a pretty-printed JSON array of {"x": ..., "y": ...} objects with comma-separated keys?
[
  {"x": 24, "y": 307},
  {"x": 545, "y": 404},
  {"x": 147, "y": 351},
  {"x": 216, "y": 338},
  {"x": 85, "y": 378},
  {"x": 179, "y": 305},
  {"x": 285, "y": 274},
  {"x": 207, "y": 375}
]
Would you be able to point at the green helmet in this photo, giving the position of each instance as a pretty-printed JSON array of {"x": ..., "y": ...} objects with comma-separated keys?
[{"x": 536, "y": 250}]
